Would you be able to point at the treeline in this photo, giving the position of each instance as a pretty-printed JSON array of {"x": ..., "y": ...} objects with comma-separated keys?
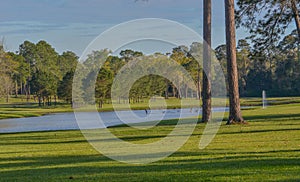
[
  {"x": 35, "y": 71},
  {"x": 146, "y": 86},
  {"x": 39, "y": 72},
  {"x": 276, "y": 69}
]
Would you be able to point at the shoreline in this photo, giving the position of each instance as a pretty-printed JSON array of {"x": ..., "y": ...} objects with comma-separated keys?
[{"x": 24, "y": 110}]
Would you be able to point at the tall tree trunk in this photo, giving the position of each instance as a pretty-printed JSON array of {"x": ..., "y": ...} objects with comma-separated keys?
[
  {"x": 167, "y": 89},
  {"x": 174, "y": 91},
  {"x": 233, "y": 84},
  {"x": 26, "y": 91},
  {"x": 198, "y": 84},
  {"x": 179, "y": 94},
  {"x": 206, "y": 91},
  {"x": 21, "y": 88},
  {"x": 55, "y": 100},
  {"x": 186, "y": 91},
  {"x": 7, "y": 97},
  {"x": 296, "y": 16},
  {"x": 40, "y": 100},
  {"x": 16, "y": 89},
  {"x": 29, "y": 93},
  {"x": 297, "y": 21}
]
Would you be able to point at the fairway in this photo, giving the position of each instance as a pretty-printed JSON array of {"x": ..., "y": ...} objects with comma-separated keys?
[
  {"x": 268, "y": 149},
  {"x": 144, "y": 90}
]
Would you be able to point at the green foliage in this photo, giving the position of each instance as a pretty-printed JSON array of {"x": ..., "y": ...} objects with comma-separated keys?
[
  {"x": 39, "y": 70},
  {"x": 266, "y": 20},
  {"x": 6, "y": 87},
  {"x": 276, "y": 70},
  {"x": 67, "y": 62},
  {"x": 64, "y": 90},
  {"x": 129, "y": 54},
  {"x": 103, "y": 83}
]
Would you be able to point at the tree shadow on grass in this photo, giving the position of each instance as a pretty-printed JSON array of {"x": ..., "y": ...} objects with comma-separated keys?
[
  {"x": 210, "y": 164},
  {"x": 272, "y": 116},
  {"x": 259, "y": 131},
  {"x": 101, "y": 168}
]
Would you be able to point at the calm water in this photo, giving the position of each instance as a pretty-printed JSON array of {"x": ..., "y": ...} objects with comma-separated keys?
[{"x": 67, "y": 121}]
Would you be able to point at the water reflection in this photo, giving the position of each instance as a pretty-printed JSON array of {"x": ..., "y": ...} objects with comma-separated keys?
[{"x": 67, "y": 121}]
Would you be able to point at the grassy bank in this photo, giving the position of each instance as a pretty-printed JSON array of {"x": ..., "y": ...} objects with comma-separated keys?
[
  {"x": 268, "y": 149},
  {"x": 18, "y": 108}
]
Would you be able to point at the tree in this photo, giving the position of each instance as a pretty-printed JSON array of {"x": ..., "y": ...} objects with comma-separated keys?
[
  {"x": 44, "y": 71},
  {"x": 206, "y": 91},
  {"x": 243, "y": 54},
  {"x": 19, "y": 73},
  {"x": 180, "y": 54},
  {"x": 267, "y": 20},
  {"x": 43, "y": 85},
  {"x": 114, "y": 63},
  {"x": 103, "y": 85},
  {"x": 7, "y": 72},
  {"x": 220, "y": 52},
  {"x": 67, "y": 62},
  {"x": 129, "y": 54},
  {"x": 232, "y": 73},
  {"x": 64, "y": 90},
  {"x": 28, "y": 51},
  {"x": 6, "y": 86},
  {"x": 196, "y": 51},
  {"x": 287, "y": 70}
]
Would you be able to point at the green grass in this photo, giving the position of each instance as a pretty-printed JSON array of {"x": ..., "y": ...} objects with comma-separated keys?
[
  {"x": 268, "y": 149},
  {"x": 24, "y": 110},
  {"x": 18, "y": 107}
]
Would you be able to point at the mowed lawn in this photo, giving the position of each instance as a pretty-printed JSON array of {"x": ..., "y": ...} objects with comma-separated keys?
[{"x": 268, "y": 149}]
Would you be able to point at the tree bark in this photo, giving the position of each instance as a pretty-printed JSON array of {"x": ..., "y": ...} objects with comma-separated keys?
[
  {"x": 186, "y": 91},
  {"x": 40, "y": 100},
  {"x": 235, "y": 115},
  {"x": 296, "y": 16},
  {"x": 16, "y": 89},
  {"x": 7, "y": 97},
  {"x": 167, "y": 89},
  {"x": 206, "y": 91},
  {"x": 198, "y": 84},
  {"x": 297, "y": 21}
]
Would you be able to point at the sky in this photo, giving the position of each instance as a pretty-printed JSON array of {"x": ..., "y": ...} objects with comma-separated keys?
[{"x": 70, "y": 25}]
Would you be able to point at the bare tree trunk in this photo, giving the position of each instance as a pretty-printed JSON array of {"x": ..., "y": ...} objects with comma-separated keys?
[
  {"x": 179, "y": 94},
  {"x": 55, "y": 100},
  {"x": 174, "y": 90},
  {"x": 40, "y": 101},
  {"x": 16, "y": 89},
  {"x": 29, "y": 93},
  {"x": 26, "y": 91},
  {"x": 198, "y": 84},
  {"x": 206, "y": 96},
  {"x": 21, "y": 88},
  {"x": 296, "y": 16},
  {"x": 186, "y": 91},
  {"x": 7, "y": 97},
  {"x": 234, "y": 98},
  {"x": 297, "y": 21},
  {"x": 167, "y": 89}
]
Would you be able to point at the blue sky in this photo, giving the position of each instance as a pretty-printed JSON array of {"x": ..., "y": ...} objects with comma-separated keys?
[{"x": 73, "y": 24}]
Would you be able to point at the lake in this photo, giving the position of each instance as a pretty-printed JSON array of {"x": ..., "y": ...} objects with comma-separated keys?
[{"x": 67, "y": 121}]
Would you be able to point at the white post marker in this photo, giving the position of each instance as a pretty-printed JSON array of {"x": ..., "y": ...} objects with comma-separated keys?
[{"x": 264, "y": 101}]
